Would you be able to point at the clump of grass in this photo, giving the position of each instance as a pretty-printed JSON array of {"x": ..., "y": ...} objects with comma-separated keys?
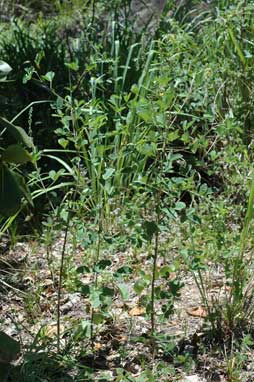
[
  {"x": 238, "y": 312},
  {"x": 231, "y": 313}
]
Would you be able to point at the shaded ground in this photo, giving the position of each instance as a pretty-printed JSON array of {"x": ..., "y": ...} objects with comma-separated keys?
[{"x": 121, "y": 344}]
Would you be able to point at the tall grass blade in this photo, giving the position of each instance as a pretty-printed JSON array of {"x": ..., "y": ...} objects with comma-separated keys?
[
  {"x": 237, "y": 47},
  {"x": 248, "y": 218}
]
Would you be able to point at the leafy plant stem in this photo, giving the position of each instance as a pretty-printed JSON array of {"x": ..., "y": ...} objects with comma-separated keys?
[
  {"x": 199, "y": 281},
  {"x": 60, "y": 281},
  {"x": 155, "y": 257},
  {"x": 98, "y": 249}
]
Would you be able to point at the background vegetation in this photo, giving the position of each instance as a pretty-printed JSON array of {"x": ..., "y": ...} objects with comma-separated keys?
[{"x": 131, "y": 143}]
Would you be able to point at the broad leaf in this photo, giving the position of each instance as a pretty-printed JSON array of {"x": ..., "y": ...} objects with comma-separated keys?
[
  {"x": 101, "y": 265},
  {"x": 63, "y": 142},
  {"x": 85, "y": 290},
  {"x": 23, "y": 187},
  {"x": 17, "y": 132},
  {"x": 139, "y": 286},
  {"x": 12, "y": 189},
  {"x": 9, "y": 348},
  {"x": 109, "y": 172},
  {"x": 4, "y": 368},
  {"x": 95, "y": 298},
  {"x": 4, "y": 68},
  {"x": 98, "y": 318},
  {"x": 15, "y": 154},
  {"x": 123, "y": 289},
  {"x": 49, "y": 76},
  {"x": 150, "y": 228},
  {"x": 10, "y": 193},
  {"x": 83, "y": 269},
  {"x": 107, "y": 292},
  {"x": 180, "y": 206},
  {"x": 123, "y": 271}
]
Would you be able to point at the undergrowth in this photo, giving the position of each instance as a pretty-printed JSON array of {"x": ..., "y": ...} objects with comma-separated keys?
[{"x": 140, "y": 177}]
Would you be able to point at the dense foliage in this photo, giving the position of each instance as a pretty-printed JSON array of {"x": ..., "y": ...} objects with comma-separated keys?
[{"x": 142, "y": 142}]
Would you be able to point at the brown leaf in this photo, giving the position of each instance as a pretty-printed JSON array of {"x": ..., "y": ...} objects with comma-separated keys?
[
  {"x": 173, "y": 323},
  {"x": 198, "y": 311},
  {"x": 97, "y": 346},
  {"x": 137, "y": 311},
  {"x": 122, "y": 338},
  {"x": 51, "y": 330},
  {"x": 47, "y": 282}
]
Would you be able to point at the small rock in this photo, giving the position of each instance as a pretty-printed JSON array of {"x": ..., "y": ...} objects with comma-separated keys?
[{"x": 73, "y": 300}]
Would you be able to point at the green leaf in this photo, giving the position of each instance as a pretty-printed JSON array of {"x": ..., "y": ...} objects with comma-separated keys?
[
  {"x": 49, "y": 76},
  {"x": 150, "y": 228},
  {"x": 237, "y": 46},
  {"x": 135, "y": 89},
  {"x": 16, "y": 154},
  {"x": 28, "y": 75},
  {"x": 83, "y": 330},
  {"x": 4, "y": 368},
  {"x": 39, "y": 56},
  {"x": 139, "y": 286},
  {"x": 83, "y": 269},
  {"x": 95, "y": 298},
  {"x": 53, "y": 175},
  {"x": 101, "y": 265},
  {"x": 125, "y": 270},
  {"x": 123, "y": 289},
  {"x": 180, "y": 206},
  {"x": 98, "y": 318},
  {"x": 72, "y": 65},
  {"x": 23, "y": 187},
  {"x": 4, "y": 68},
  {"x": 9, "y": 348},
  {"x": 85, "y": 290},
  {"x": 109, "y": 172},
  {"x": 12, "y": 189},
  {"x": 107, "y": 292},
  {"x": 168, "y": 309},
  {"x": 173, "y": 136},
  {"x": 165, "y": 271},
  {"x": 147, "y": 149},
  {"x": 17, "y": 132},
  {"x": 63, "y": 142},
  {"x": 10, "y": 193}
]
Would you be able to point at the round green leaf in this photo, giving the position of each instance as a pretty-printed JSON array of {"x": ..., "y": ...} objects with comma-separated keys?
[
  {"x": 63, "y": 142},
  {"x": 98, "y": 318},
  {"x": 139, "y": 286}
]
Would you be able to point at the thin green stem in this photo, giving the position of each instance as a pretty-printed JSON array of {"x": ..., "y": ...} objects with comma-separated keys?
[
  {"x": 98, "y": 250},
  {"x": 155, "y": 258},
  {"x": 60, "y": 280}
]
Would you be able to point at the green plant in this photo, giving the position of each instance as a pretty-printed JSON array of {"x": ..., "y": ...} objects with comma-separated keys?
[
  {"x": 140, "y": 141},
  {"x": 9, "y": 350},
  {"x": 236, "y": 358},
  {"x": 13, "y": 187},
  {"x": 229, "y": 315}
]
